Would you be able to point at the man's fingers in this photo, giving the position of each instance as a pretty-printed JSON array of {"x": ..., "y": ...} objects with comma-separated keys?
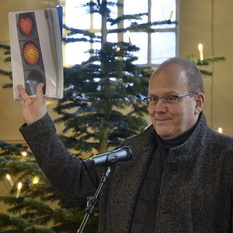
[
  {"x": 23, "y": 96},
  {"x": 39, "y": 91},
  {"x": 22, "y": 93}
]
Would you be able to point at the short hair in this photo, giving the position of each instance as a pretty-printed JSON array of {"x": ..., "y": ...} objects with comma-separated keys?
[{"x": 192, "y": 73}]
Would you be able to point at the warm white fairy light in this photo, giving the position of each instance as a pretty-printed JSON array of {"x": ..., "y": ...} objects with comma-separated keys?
[
  {"x": 35, "y": 180},
  {"x": 8, "y": 177},
  {"x": 24, "y": 153},
  {"x": 118, "y": 49},
  {"x": 200, "y": 48},
  {"x": 171, "y": 14},
  {"x": 19, "y": 187},
  {"x": 129, "y": 36},
  {"x": 220, "y": 130}
]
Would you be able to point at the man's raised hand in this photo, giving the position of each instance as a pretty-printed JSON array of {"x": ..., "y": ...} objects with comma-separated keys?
[{"x": 33, "y": 109}]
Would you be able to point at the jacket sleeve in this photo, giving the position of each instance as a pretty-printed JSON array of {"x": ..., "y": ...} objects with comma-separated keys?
[
  {"x": 231, "y": 209},
  {"x": 69, "y": 175}
]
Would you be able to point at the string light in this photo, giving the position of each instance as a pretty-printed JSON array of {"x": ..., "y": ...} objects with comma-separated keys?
[
  {"x": 129, "y": 37},
  {"x": 118, "y": 49},
  {"x": 220, "y": 130},
  {"x": 200, "y": 48},
  {"x": 8, "y": 177},
  {"x": 171, "y": 14},
  {"x": 35, "y": 180},
  {"x": 19, "y": 187},
  {"x": 24, "y": 153}
]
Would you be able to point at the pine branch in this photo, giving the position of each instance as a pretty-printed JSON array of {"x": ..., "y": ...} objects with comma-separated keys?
[
  {"x": 79, "y": 31},
  {"x": 5, "y": 46},
  {"x": 126, "y": 17},
  {"x": 145, "y": 27},
  {"x": 17, "y": 222},
  {"x": 5, "y": 72},
  {"x": 205, "y": 62},
  {"x": 38, "y": 229}
]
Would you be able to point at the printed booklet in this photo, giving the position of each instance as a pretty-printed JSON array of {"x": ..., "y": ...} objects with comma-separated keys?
[{"x": 36, "y": 51}]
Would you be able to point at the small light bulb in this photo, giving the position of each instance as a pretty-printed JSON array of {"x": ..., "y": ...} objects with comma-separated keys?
[
  {"x": 220, "y": 130},
  {"x": 19, "y": 187},
  {"x": 24, "y": 153},
  {"x": 35, "y": 180},
  {"x": 200, "y": 48},
  {"x": 8, "y": 177},
  {"x": 118, "y": 49}
]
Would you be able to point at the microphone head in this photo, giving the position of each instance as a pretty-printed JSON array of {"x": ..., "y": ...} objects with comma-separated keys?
[
  {"x": 130, "y": 152},
  {"x": 124, "y": 153}
]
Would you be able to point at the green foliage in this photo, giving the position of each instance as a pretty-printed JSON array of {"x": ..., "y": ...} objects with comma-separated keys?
[
  {"x": 109, "y": 98},
  {"x": 38, "y": 208},
  {"x": 205, "y": 62},
  {"x": 6, "y": 58},
  {"x": 103, "y": 96}
]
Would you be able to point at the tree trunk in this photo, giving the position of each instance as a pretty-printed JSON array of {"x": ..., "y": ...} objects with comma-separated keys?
[{"x": 103, "y": 132}]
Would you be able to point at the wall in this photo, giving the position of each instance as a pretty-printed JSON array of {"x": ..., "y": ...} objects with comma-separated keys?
[{"x": 209, "y": 22}]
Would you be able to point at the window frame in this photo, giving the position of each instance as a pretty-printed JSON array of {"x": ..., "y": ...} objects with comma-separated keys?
[{"x": 120, "y": 36}]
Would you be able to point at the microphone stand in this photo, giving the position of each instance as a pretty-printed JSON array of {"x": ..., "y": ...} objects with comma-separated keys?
[{"x": 91, "y": 201}]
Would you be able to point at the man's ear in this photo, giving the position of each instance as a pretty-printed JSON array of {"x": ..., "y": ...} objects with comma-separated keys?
[{"x": 200, "y": 102}]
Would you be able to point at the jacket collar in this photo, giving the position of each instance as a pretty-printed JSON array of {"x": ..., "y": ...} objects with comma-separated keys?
[{"x": 149, "y": 137}]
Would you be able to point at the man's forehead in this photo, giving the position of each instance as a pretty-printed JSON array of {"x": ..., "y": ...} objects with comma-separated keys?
[
  {"x": 165, "y": 81},
  {"x": 170, "y": 72},
  {"x": 172, "y": 68}
]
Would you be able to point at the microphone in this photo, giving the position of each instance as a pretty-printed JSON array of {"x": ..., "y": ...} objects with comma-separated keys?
[{"x": 124, "y": 153}]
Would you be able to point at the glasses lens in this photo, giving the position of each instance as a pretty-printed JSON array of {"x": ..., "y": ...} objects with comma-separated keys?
[{"x": 171, "y": 99}]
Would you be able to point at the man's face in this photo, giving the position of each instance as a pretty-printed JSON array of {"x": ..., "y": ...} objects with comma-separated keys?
[{"x": 168, "y": 120}]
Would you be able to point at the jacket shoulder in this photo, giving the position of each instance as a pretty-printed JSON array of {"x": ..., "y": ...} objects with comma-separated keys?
[{"x": 147, "y": 137}]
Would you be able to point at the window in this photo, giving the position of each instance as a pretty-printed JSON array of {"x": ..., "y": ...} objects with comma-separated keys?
[{"x": 154, "y": 47}]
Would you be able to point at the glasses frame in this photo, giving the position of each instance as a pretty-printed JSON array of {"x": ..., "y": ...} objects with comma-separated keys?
[{"x": 164, "y": 98}]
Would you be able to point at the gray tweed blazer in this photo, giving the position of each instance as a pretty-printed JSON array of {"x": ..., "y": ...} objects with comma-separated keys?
[{"x": 196, "y": 189}]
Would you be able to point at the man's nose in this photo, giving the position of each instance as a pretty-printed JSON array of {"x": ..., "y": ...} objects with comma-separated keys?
[{"x": 161, "y": 106}]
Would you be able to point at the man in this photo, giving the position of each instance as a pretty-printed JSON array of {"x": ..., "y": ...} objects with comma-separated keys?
[{"x": 181, "y": 177}]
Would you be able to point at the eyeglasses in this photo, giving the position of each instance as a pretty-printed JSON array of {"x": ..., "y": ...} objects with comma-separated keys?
[{"x": 167, "y": 99}]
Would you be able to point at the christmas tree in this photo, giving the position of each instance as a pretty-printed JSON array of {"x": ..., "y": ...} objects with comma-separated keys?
[
  {"x": 103, "y": 96},
  {"x": 34, "y": 204}
]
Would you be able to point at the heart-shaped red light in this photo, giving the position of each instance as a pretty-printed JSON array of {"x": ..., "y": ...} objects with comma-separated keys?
[{"x": 26, "y": 25}]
